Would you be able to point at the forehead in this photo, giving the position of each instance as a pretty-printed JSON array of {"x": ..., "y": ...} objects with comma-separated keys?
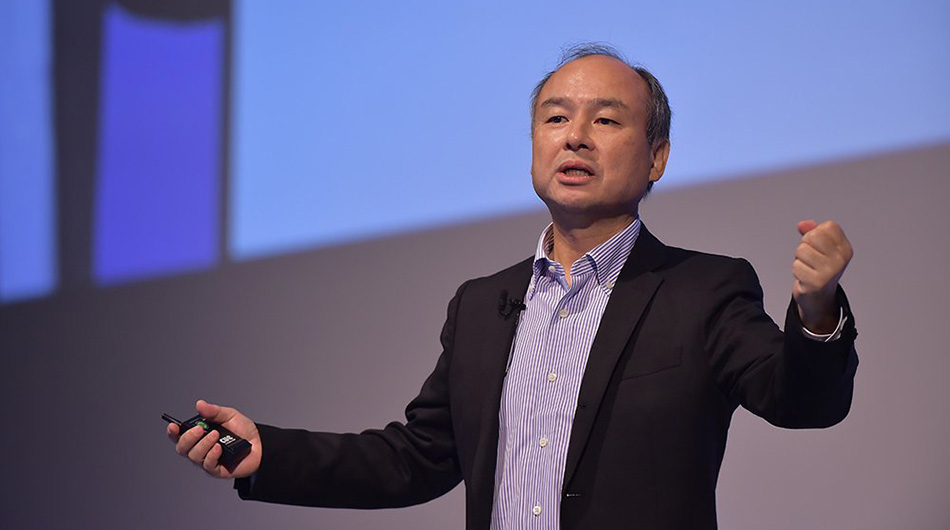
[{"x": 596, "y": 77}]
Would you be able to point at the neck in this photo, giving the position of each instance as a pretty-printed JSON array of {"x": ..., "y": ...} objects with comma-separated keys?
[{"x": 571, "y": 241}]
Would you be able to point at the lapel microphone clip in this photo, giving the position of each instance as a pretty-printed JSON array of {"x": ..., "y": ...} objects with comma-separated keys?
[{"x": 509, "y": 306}]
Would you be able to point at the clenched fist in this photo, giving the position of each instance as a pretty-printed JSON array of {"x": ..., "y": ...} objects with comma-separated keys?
[{"x": 820, "y": 260}]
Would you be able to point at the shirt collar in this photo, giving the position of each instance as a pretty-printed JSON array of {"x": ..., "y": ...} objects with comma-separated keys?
[{"x": 606, "y": 259}]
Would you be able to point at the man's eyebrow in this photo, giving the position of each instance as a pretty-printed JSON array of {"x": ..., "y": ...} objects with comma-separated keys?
[
  {"x": 609, "y": 103},
  {"x": 597, "y": 103},
  {"x": 556, "y": 102}
]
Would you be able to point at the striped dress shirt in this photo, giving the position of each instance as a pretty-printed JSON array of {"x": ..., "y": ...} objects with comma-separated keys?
[{"x": 548, "y": 358}]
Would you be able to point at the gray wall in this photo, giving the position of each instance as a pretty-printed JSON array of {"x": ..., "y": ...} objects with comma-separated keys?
[{"x": 86, "y": 374}]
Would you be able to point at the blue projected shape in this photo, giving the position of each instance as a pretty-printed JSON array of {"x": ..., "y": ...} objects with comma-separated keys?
[
  {"x": 27, "y": 188},
  {"x": 351, "y": 122},
  {"x": 158, "y": 194}
]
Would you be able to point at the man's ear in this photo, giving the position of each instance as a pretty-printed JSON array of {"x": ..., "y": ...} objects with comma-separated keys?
[{"x": 661, "y": 153}]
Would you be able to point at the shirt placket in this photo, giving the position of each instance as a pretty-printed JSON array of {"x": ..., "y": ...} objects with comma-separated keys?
[{"x": 551, "y": 399}]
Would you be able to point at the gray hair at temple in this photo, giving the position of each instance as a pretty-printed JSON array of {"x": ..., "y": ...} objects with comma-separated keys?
[{"x": 658, "y": 127}]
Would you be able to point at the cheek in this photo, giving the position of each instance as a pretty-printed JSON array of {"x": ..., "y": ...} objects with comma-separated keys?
[
  {"x": 540, "y": 157},
  {"x": 635, "y": 158},
  {"x": 535, "y": 171}
]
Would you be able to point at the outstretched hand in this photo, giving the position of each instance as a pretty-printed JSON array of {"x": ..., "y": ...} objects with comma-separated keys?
[
  {"x": 820, "y": 260},
  {"x": 203, "y": 449}
]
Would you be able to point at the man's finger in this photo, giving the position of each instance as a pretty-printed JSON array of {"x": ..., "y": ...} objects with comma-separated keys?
[
  {"x": 188, "y": 439},
  {"x": 824, "y": 240},
  {"x": 806, "y": 226},
  {"x": 211, "y": 459},
  {"x": 200, "y": 450},
  {"x": 172, "y": 431},
  {"x": 206, "y": 409},
  {"x": 810, "y": 256},
  {"x": 214, "y": 413},
  {"x": 807, "y": 277}
]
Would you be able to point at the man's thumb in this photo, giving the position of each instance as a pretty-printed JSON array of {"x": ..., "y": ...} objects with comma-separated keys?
[
  {"x": 806, "y": 226},
  {"x": 208, "y": 410}
]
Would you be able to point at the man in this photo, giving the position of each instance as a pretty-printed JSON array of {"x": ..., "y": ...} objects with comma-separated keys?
[{"x": 591, "y": 386}]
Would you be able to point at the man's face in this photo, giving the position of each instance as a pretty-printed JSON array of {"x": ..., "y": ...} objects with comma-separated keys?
[{"x": 591, "y": 158}]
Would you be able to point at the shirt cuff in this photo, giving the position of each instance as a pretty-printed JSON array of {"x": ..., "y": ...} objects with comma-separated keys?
[{"x": 834, "y": 335}]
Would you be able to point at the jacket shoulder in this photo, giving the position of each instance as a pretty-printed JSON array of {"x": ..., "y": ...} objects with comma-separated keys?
[{"x": 699, "y": 264}]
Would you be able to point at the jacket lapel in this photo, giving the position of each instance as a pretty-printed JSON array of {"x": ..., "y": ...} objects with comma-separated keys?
[
  {"x": 635, "y": 287},
  {"x": 499, "y": 334}
]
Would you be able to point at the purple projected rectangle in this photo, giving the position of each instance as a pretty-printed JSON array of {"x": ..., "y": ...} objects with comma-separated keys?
[{"x": 158, "y": 191}]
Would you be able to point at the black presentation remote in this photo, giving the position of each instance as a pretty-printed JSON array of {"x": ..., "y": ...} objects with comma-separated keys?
[{"x": 235, "y": 447}]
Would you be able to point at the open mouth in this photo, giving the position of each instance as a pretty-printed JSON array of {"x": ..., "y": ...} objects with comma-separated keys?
[
  {"x": 575, "y": 168},
  {"x": 577, "y": 172}
]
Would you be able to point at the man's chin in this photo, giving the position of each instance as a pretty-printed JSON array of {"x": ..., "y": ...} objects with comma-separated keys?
[{"x": 585, "y": 213}]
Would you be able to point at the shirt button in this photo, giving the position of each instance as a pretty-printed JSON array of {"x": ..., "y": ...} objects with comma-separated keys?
[
  {"x": 551, "y": 268},
  {"x": 543, "y": 442},
  {"x": 562, "y": 313},
  {"x": 610, "y": 285},
  {"x": 552, "y": 377},
  {"x": 536, "y": 510}
]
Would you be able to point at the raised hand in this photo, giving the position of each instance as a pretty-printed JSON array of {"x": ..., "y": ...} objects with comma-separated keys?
[
  {"x": 203, "y": 449},
  {"x": 820, "y": 260}
]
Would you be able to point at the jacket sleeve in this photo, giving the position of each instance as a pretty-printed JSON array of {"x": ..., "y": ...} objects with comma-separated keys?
[
  {"x": 403, "y": 464},
  {"x": 786, "y": 378}
]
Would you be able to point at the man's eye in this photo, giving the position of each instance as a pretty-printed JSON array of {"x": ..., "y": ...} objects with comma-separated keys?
[
  {"x": 604, "y": 121},
  {"x": 557, "y": 119}
]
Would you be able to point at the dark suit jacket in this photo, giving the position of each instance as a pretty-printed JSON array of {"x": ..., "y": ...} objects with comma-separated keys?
[{"x": 683, "y": 341}]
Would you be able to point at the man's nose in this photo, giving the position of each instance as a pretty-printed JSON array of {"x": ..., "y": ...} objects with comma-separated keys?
[{"x": 578, "y": 137}]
